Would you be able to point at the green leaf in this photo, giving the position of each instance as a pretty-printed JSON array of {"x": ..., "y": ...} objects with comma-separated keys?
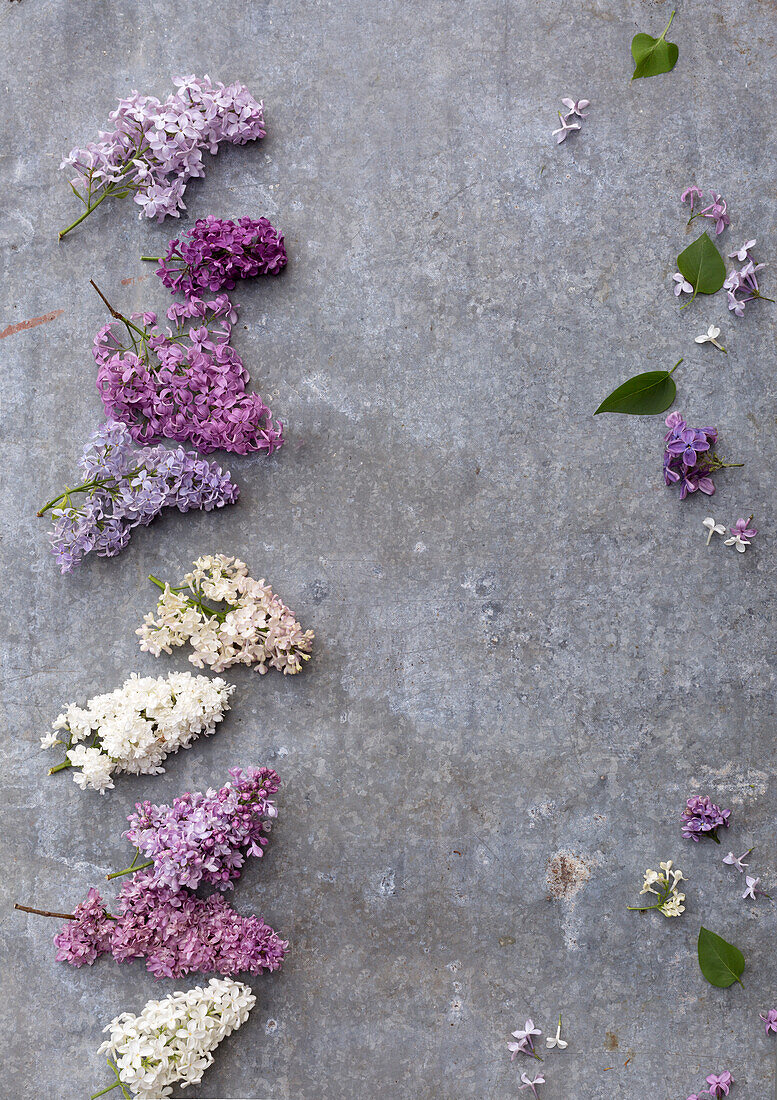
[
  {"x": 653, "y": 56},
  {"x": 702, "y": 265},
  {"x": 643, "y": 395},
  {"x": 721, "y": 963}
]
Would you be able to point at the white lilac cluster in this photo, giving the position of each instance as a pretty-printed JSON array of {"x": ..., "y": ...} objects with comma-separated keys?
[
  {"x": 133, "y": 728},
  {"x": 172, "y": 1041},
  {"x": 663, "y": 884},
  {"x": 254, "y": 628}
]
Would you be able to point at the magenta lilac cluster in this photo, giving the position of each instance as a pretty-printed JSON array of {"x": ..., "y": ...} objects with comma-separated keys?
[
  {"x": 716, "y": 209},
  {"x": 187, "y": 383},
  {"x": 688, "y": 456},
  {"x": 124, "y": 488},
  {"x": 176, "y": 932},
  {"x": 207, "y": 837},
  {"x": 152, "y": 147},
  {"x": 216, "y": 253},
  {"x": 701, "y": 817}
]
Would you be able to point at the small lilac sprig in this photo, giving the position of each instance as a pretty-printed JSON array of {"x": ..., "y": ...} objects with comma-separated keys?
[
  {"x": 664, "y": 885},
  {"x": 742, "y": 534},
  {"x": 717, "y": 209},
  {"x": 575, "y": 109},
  {"x": 525, "y": 1044},
  {"x": 701, "y": 817},
  {"x": 744, "y": 281},
  {"x": 770, "y": 1020},
  {"x": 690, "y": 458}
]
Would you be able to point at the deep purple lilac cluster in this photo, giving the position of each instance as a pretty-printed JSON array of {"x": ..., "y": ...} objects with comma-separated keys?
[
  {"x": 206, "y": 837},
  {"x": 688, "y": 456},
  {"x": 187, "y": 384},
  {"x": 701, "y": 817},
  {"x": 216, "y": 253},
  {"x": 155, "y": 147},
  {"x": 124, "y": 488},
  {"x": 175, "y": 931}
]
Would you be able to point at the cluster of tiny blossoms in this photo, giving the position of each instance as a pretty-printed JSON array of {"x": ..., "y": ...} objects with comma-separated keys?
[
  {"x": 155, "y": 147},
  {"x": 175, "y": 931},
  {"x": 701, "y": 817},
  {"x": 716, "y": 209},
  {"x": 124, "y": 488},
  {"x": 745, "y": 281},
  {"x": 172, "y": 1041},
  {"x": 206, "y": 837},
  {"x": 255, "y": 628},
  {"x": 187, "y": 384},
  {"x": 663, "y": 884},
  {"x": 216, "y": 253},
  {"x": 133, "y": 728},
  {"x": 689, "y": 457}
]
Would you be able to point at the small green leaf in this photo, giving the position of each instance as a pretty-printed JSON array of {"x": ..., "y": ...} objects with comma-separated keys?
[
  {"x": 643, "y": 395},
  {"x": 653, "y": 56},
  {"x": 703, "y": 266},
  {"x": 721, "y": 963}
]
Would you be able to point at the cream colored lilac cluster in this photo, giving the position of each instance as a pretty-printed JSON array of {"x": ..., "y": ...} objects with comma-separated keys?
[
  {"x": 133, "y": 728},
  {"x": 255, "y": 628},
  {"x": 172, "y": 1041},
  {"x": 664, "y": 884}
]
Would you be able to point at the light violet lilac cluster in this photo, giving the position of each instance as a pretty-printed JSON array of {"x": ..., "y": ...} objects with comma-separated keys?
[
  {"x": 716, "y": 209},
  {"x": 134, "y": 728},
  {"x": 575, "y": 109},
  {"x": 187, "y": 383},
  {"x": 153, "y": 147},
  {"x": 689, "y": 457},
  {"x": 215, "y": 253},
  {"x": 742, "y": 286},
  {"x": 171, "y": 1042},
  {"x": 701, "y": 817},
  {"x": 175, "y": 931},
  {"x": 124, "y": 488},
  {"x": 206, "y": 837},
  {"x": 254, "y": 628}
]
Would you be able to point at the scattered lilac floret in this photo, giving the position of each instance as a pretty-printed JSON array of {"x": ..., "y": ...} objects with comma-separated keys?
[
  {"x": 737, "y": 861},
  {"x": 530, "y": 1084},
  {"x": 719, "y": 1085},
  {"x": 770, "y": 1020},
  {"x": 564, "y": 129},
  {"x": 701, "y": 817},
  {"x": 742, "y": 254},
  {"x": 575, "y": 109},
  {"x": 682, "y": 286},
  {"x": 691, "y": 193},
  {"x": 718, "y": 211},
  {"x": 525, "y": 1037},
  {"x": 741, "y": 534},
  {"x": 752, "y": 889}
]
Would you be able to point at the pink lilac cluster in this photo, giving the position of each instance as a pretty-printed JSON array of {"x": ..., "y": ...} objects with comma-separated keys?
[
  {"x": 187, "y": 383},
  {"x": 701, "y": 817},
  {"x": 176, "y": 932},
  {"x": 207, "y": 837},
  {"x": 216, "y": 253},
  {"x": 154, "y": 147},
  {"x": 717, "y": 209},
  {"x": 124, "y": 488},
  {"x": 688, "y": 456},
  {"x": 742, "y": 286}
]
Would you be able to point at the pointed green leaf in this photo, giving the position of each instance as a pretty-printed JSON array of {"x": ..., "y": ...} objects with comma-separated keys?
[
  {"x": 721, "y": 963},
  {"x": 643, "y": 395},
  {"x": 653, "y": 56},
  {"x": 702, "y": 265}
]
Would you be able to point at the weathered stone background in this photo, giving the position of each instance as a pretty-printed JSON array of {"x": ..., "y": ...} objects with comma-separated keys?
[{"x": 526, "y": 658}]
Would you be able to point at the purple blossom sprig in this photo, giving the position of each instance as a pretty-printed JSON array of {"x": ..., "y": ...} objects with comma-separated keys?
[
  {"x": 215, "y": 253},
  {"x": 744, "y": 282},
  {"x": 124, "y": 488},
  {"x": 205, "y": 837},
  {"x": 154, "y": 148},
  {"x": 690, "y": 458},
  {"x": 187, "y": 383},
  {"x": 717, "y": 208},
  {"x": 701, "y": 817}
]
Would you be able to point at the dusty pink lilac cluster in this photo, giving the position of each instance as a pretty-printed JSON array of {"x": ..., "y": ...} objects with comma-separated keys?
[
  {"x": 216, "y": 253},
  {"x": 207, "y": 837},
  {"x": 155, "y": 147},
  {"x": 176, "y": 932},
  {"x": 187, "y": 383}
]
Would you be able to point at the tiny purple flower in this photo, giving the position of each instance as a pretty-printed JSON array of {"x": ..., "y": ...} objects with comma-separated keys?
[
  {"x": 737, "y": 861},
  {"x": 528, "y": 1084},
  {"x": 691, "y": 193},
  {"x": 741, "y": 254},
  {"x": 770, "y": 1020},
  {"x": 682, "y": 286},
  {"x": 752, "y": 889},
  {"x": 742, "y": 528},
  {"x": 717, "y": 210},
  {"x": 576, "y": 107},
  {"x": 719, "y": 1085}
]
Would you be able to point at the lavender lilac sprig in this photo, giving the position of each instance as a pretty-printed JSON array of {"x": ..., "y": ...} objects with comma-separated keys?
[
  {"x": 690, "y": 458},
  {"x": 123, "y": 488},
  {"x": 744, "y": 282},
  {"x": 701, "y": 817},
  {"x": 216, "y": 253},
  {"x": 155, "y": 147},
  {"x": 717, "y": 209}
]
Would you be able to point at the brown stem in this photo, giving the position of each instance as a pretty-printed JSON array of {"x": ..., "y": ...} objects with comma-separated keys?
[
  {"x": 45, "y": 912},
  {"x": 111, "y": 310}
]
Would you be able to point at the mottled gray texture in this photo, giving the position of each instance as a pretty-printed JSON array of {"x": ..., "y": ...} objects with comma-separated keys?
[{"x": 523, "y": 646}]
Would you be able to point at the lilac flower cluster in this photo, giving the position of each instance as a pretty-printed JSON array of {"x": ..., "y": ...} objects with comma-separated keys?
[
  {"x": 744, "y": 281},
  {"x": 176, "y": 932},
  {"x": 688, "y": 456},
  {"x": 155, "y": 147},
  {"x": 216, "y": 253},
  {"x": 124, "y": 488},
  {"x": 717, "y": 209},
  {"x": 188, "y": 383},
  {"x": 206, "y": 837},
  {"x": 701, "y": 817}
]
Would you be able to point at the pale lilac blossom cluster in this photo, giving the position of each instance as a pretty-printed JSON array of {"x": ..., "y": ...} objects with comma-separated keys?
[
  {"x": 124, "y": 488},
  {"x": 154, "y": 147},
  {"x": 742, "y": 286},
  {"x": 701, "y": 817},
  {"x": 133, "y": 728},
  {"x": 171, "y": 1042},
  {"x": 254, "y": 628},
  {"x": 215, "y": 253},
  {"x": 717, "y": 208},
  {"x": 187, "y": 383},
  {"x": 206, "y": 837}
]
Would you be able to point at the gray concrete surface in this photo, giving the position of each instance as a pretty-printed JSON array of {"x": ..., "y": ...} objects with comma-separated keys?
[{"x": 526, "y": 658}]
